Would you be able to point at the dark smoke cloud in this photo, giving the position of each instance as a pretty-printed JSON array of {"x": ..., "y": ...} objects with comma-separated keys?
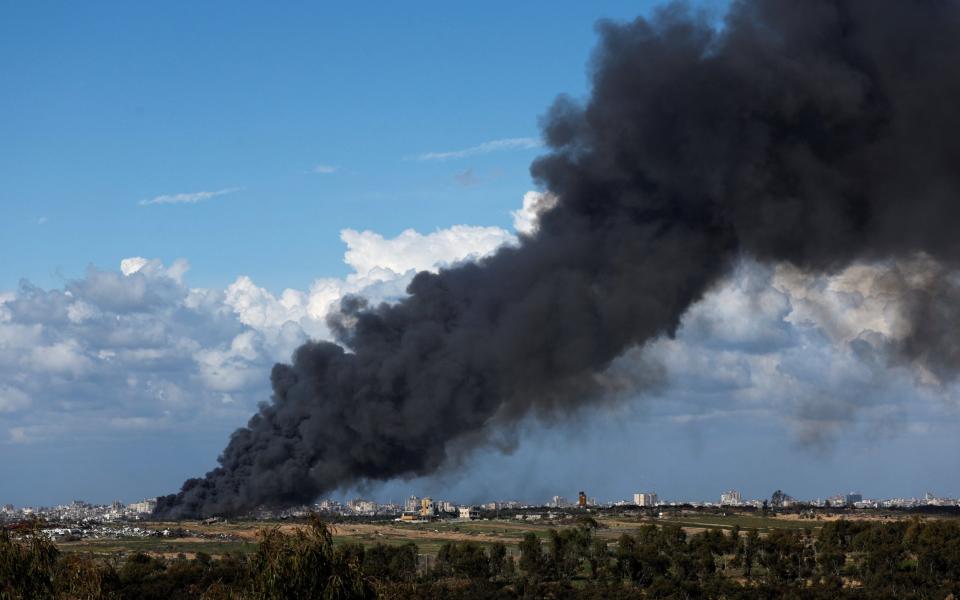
[
  {"x": 930, "y": 295},
  {"x": 817, "y": 132}
]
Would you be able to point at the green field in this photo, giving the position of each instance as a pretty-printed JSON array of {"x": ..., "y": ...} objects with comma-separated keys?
[
  {"x": 759, "y": 523},
  {"x": 428, "y": 537}
]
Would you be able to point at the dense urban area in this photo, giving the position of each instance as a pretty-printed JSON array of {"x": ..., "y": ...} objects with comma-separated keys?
[
  {"x": 416, "y": 508},
  {"x": 845, "y": 546}
]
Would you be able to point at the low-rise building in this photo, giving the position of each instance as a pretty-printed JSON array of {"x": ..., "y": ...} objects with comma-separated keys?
[
  {"x": 143, "y": 507},
  {"x": 731, "y": 498}
]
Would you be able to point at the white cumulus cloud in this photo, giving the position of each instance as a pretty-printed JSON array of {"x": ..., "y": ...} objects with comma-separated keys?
[
  {"x": 526, "y": 218},
  {"x": 139, "y": 349},
  {"x": 369, "y": 253}
]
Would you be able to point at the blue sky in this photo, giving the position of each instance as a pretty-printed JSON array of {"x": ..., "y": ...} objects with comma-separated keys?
[
  {"x": 232, "y": 153},
  {"x": 110, "y": 104}
]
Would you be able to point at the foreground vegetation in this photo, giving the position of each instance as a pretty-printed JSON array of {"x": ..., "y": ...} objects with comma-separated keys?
[{"x": 842, "y": 559}]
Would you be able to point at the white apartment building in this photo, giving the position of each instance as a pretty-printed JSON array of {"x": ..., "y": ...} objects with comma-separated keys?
[
  {"x": 143, "y": 507},
  {"x": 645, "y": 499},
  {"x": 731, "y": 498}
]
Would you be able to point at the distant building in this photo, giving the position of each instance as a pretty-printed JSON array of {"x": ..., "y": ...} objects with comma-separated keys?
[
  {"x": 363, "y": 507},
  {"x": 559, "y": 502},
  {"x": 852, "y": 498},
  {"x": 731, "y": 498},
  {"x": 144, "y": 506},
  {"x": 645, "y": 499},
  {"x": 412, "y": 504},
  {"x": 427, "y": 508},
  {"x": 328, "y": 505},
  {"x": 469, "y": 512},
  {"x": 582, "y": 500}
]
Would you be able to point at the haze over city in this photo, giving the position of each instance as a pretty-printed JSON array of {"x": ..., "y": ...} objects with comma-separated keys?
[{"x": 185, "y": 206}]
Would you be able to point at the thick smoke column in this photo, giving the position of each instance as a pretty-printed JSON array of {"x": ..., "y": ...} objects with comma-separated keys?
[{"x": 819, "y": 133}]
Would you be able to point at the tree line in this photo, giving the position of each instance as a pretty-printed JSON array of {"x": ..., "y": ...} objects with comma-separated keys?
[{"x": 843, "y": 559}]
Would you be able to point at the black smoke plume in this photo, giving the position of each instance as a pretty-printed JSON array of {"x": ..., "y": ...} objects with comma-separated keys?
[{"x": 818, "y": 132}]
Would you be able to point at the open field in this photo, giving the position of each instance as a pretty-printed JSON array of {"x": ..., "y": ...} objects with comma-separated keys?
[
  {"x": 760, "y": 523},
  {"x": 221, "y": 538}
]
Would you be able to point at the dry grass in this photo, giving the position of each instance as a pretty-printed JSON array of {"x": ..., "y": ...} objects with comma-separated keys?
[{"x": 219, "y": 538}]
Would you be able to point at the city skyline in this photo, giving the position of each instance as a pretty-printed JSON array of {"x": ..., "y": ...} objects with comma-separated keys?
[{"x": 649, "y": 498}]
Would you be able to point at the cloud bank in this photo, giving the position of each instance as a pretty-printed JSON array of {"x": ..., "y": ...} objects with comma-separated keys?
[{"x": 136, "y": 349}]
